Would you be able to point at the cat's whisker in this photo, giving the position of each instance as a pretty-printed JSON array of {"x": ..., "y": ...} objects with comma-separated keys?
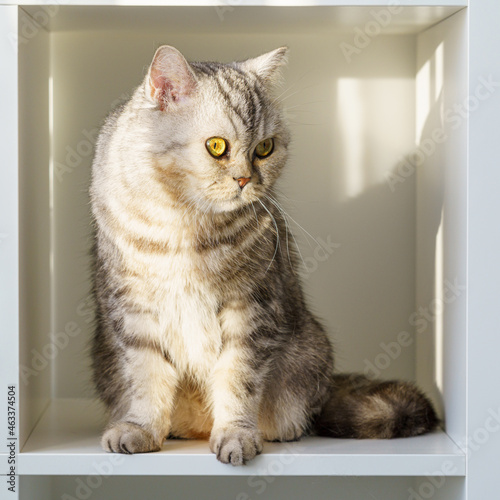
[
  {"x": 300, "y": 253},
  {"x": 277, "y": 234},
  {"x": 281, "y": 101},
  {"x": 305, "y": 231},
  {"x": 290, "y": 87},
  {"x": 292, "y": 200},
  {"x": 255, "y": 212},
  {"x": 297, "y": 247},
  {"x": 288, "y": 108},
  {"x": 294, "y": 122},
  {"x": 287, "y": 230}
]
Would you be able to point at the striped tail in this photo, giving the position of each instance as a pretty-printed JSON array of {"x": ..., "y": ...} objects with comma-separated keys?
[{"x": 362, "y": 408}]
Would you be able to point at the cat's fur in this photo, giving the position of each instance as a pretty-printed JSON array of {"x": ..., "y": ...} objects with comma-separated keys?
[{"x": 202, "y": 329}]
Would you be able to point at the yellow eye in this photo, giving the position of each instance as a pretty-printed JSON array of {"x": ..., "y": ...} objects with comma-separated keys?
[
  {"x": 216, "y": 146},
  {"x": 264, "y": 148}
]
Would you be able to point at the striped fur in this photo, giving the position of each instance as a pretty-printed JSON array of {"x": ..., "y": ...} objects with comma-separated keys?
[{"x": 203, "y": 330}]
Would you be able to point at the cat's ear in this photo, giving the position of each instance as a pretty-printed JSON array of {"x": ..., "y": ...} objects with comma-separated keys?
[
  {"x": 267, "y": 66},
  {"x": 170, "y": 78}
]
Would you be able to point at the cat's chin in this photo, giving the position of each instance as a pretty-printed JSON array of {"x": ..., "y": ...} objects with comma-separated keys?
[{"x": 228, "y": 206}]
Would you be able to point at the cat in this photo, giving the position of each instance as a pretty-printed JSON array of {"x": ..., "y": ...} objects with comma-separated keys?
[{"x": 202, "y": 326}]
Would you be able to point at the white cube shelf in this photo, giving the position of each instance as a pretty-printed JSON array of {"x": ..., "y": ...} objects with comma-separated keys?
[{"x": 387, "y": 110}]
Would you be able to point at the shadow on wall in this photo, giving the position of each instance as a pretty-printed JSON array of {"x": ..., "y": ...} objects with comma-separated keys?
[
  {"x": 337, "y": 182},
  {"x": 390, "y": 275}
]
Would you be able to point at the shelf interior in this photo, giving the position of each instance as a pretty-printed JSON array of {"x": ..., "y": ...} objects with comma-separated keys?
[
  {"x": 66, "y": 442},
  {"x": 299, "y": 19},
  {"x": 386, "y": 79}
]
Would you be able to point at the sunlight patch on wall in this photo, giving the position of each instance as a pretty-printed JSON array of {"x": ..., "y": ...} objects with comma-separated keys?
[
  {"x": 350, "y": 110},
  {"x": 438, "y": 71},
  {"x": 423, "y": 98},
  {"x": 439, "y": 308},
  {"x": 51, "y": 219},
  {"x": 430, "y": 81},
  {"x": 376, "y": 122}
]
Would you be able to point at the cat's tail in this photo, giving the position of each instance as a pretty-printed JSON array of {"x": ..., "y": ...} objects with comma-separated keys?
[{"x": 362, "y": 408}]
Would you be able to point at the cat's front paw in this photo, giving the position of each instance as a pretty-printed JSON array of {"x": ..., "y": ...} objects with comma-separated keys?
[
  {"x": 235, "y": 445},
  {"x": 125, "y": 437}
]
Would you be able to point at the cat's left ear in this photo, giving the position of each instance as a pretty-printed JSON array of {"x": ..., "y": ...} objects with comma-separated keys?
[
  {"x": 267, "y": 66},
  {"x": 170, "y": 78}
]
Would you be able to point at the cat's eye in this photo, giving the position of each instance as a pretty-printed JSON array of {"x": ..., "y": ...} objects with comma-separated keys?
[
  {"x": 216, "y": 146},
  {"x": 264, "y": 148}
]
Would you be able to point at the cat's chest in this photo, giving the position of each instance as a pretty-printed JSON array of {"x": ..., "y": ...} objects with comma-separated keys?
[
  {"x": 190, "y": 328},
  {"x": 187, "y": 306}
]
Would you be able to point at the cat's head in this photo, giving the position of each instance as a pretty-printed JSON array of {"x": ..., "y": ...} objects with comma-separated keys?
[{"x": 216, "y": 130}]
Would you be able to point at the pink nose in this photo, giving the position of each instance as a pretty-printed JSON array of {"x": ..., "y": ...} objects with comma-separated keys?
[{"x": 243, "y": 181}]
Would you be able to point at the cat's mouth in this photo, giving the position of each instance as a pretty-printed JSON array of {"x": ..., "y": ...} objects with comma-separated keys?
[
  {"x": 237, "y": 201},
  {"x": 232, "y": 204},
  {"x": 223, "y": 197},
  {"x": 246, "y": 196}
]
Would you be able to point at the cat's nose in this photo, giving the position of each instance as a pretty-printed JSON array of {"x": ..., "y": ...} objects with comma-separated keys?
[{"x": 242, "y": 181}]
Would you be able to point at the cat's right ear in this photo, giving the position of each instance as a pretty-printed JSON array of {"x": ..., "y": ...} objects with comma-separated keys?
[{"x": 170, "y": 79}]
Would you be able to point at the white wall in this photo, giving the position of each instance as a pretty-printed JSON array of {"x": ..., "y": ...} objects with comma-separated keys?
[
  {"x": 34, "y": 230},
  {"x": 442, "y": 218}
]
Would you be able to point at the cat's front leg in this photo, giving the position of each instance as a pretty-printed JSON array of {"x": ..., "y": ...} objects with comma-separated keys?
[
  {"x": 237, "y": 386},
  {"x": 142, "y": 419}
]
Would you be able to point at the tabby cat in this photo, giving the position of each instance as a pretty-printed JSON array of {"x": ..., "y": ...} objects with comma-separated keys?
[{"x": 202, "y": 327}]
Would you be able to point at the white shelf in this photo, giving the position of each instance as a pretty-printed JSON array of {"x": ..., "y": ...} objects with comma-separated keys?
[
  {"x": 222, "y": 3},
  {"x": 66, "y": 442},
  {"x": 246, "y": 17}
]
